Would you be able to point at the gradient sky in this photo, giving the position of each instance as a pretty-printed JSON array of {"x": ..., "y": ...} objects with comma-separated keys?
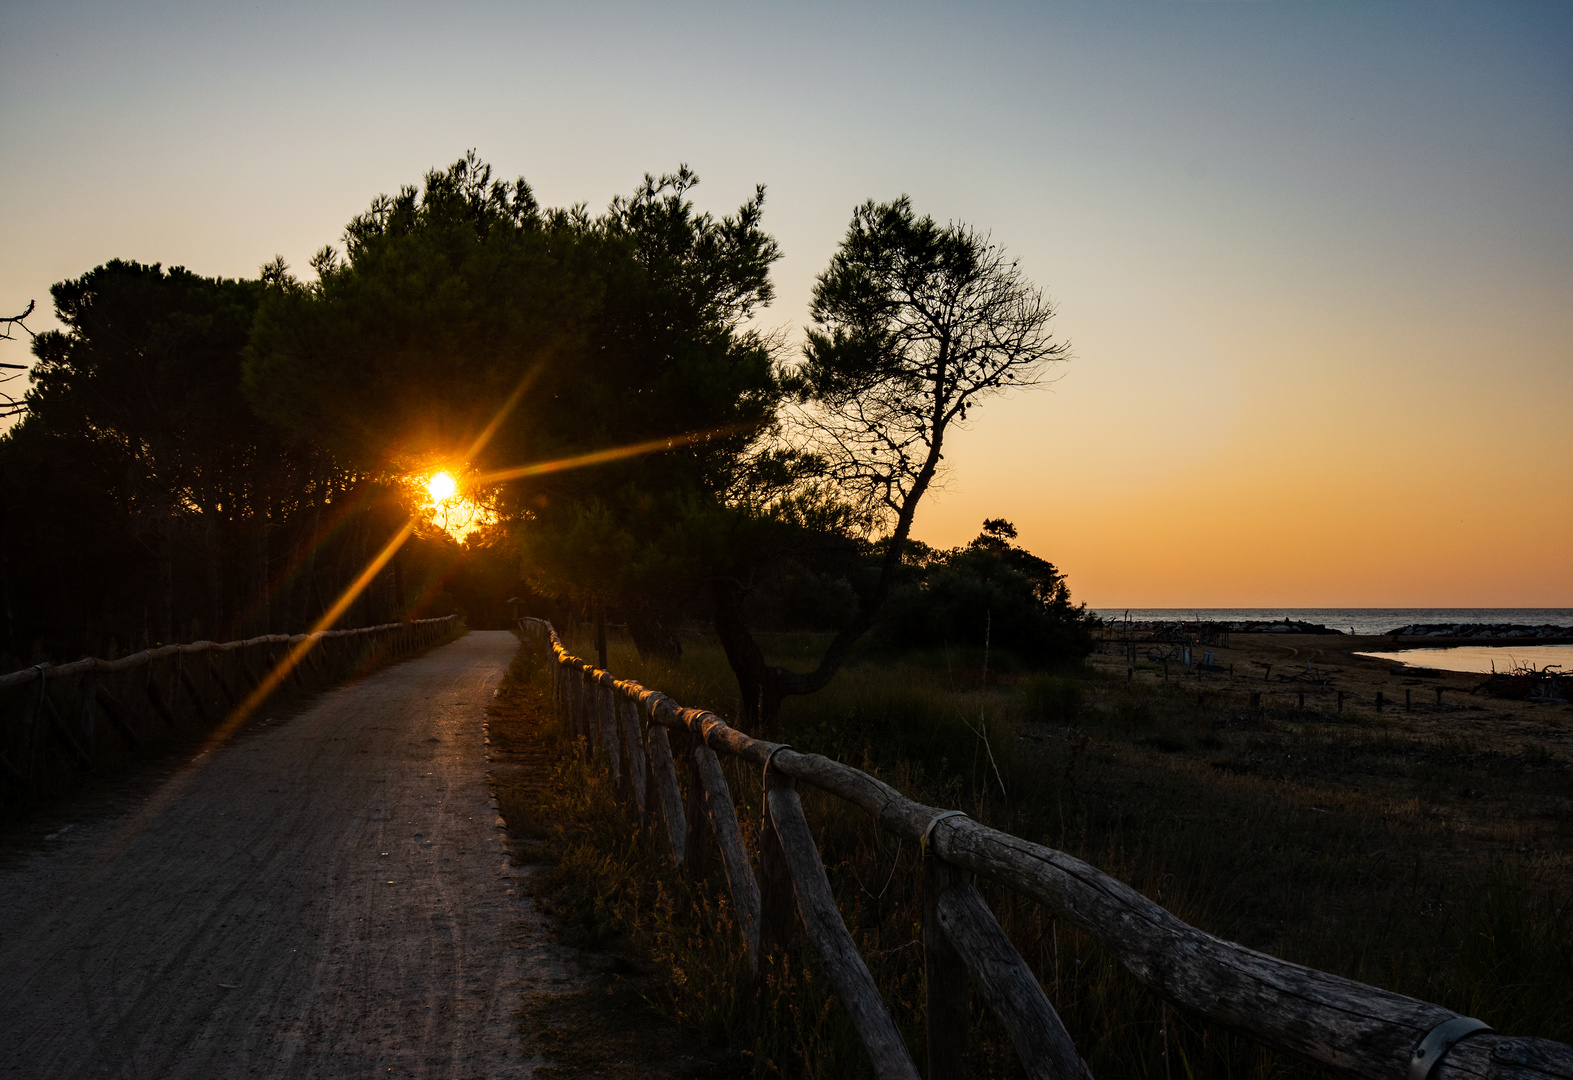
[{"x": 1316, "y": 260}]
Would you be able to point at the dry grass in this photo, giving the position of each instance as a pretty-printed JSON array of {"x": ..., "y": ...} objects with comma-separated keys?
[{"x": 1420, "y": 858}]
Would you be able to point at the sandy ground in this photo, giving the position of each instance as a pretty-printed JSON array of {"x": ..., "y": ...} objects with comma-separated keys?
[
  {"x": 327, "y": 895},
  {"x": 1283, "y": 666}
]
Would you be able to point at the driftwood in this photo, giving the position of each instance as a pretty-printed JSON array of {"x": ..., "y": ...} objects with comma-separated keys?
[
  {"x": 843, "y": 963},
  {"x": 1348, "y": 1027},
  {"x": 1007, "y": 984}
]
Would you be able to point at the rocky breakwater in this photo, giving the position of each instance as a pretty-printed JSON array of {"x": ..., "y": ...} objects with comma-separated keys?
[{"x": 1481, "y": 630}]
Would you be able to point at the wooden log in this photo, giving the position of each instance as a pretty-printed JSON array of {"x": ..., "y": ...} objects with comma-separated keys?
[
  {"x": 729, "y": 838},
  {"x": 297, "y": 670},
  {"x": 1348, "y": 1027},
  {"x": 196, "y": 695},
  {"x": 668, "y": 798},
  {"x": 222, "y": 683},
  {"x": 160, "y": 706},
  {"x": 574, "y": 686},
  {"x": 696, "y": 852},
  {"x": 586, "y": 703},
  {"x": 635, "y": 766},
  {"x": 86, "y": 729},
  {"x": 63, "y": 733},
  {"x": 11, "y": 770},
  {"x": 1008, "y": 987},
  {"x": 606, "y": 718},
  {"x": 843, "y": 963},
  {"x": 568, "y": 698},
  {"x": 776, "y": 900},
  {"x": 248, "y": 677},
  {"x": 148, "y": 656},
  {"x": 117, "y": 717},
  {"x": 944, "y": 980}
]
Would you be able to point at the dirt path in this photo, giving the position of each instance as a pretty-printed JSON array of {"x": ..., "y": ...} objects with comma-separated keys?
[{"x": 325, "y": 896}]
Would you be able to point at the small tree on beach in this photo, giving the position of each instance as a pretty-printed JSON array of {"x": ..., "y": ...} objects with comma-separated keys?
[{"x": 914, "y": 324}]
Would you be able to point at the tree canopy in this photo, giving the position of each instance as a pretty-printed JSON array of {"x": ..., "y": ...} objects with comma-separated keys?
[
  {"x": 914, "y": 324},
  {"x": 988, "y": 593},
  {"x": 142, "y": 498},
  {"x": 599, "y": 381},
  {"x": 464, "y": 323}
]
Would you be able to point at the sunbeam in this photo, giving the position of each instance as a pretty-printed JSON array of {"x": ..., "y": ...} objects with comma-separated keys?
[{"x": 599, "y": 457}]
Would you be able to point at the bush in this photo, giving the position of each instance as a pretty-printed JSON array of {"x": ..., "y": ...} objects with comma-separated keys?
[{"x": 988, "y": 593}]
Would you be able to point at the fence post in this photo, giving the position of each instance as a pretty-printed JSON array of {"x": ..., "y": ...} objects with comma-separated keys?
[
  {"x": 1008, "y": 986},
  {"x": 84, "y": 723},
  {"x": 606, "y": 717},
  {"x": 635, "y": 766},
  {"x": 944, "y": 979},
  {"x": 845, "y": 968},
  {"x": 695, "y": 849},
  {"x": 663, "y": 775},
  {"x": 775, "y": 883}
]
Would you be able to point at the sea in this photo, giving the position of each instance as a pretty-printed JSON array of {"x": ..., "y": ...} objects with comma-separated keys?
[
  {"x": 1483, "y": 659},
  {"x": 1355, "y": 620}
]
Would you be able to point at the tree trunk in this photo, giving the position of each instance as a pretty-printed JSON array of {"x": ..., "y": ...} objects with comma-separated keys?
[
  {"x": 760, "y": 687},
  {"x": 264, "y": 614},
  {"x": 652, "y": 636},
  {"x": 311, "y": 593},
  {"x": 398, "y": 585},
  {"x": 600, "y": 635},
  {"x": 166, "y": 582},
  {"x": 5, "y": 600},
  {"x": 215, "y": 573}
]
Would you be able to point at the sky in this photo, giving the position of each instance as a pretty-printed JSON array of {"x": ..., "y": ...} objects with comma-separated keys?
[{"x": 1315, "y": 259}]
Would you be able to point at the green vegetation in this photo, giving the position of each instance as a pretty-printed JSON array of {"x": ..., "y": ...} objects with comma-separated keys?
[{"x": 1304, "y": 839}]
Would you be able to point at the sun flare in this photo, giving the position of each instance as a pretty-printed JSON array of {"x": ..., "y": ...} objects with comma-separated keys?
[{"x": 441, "y": 487}]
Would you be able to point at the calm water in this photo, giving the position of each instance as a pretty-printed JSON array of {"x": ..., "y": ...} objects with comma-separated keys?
[
  {"x": 1482, "y": 658},
  {"x": 1362, "y": 620}
]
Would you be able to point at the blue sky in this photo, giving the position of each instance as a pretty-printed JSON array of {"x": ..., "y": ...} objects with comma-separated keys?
[{"x": 1316, "y": 259}]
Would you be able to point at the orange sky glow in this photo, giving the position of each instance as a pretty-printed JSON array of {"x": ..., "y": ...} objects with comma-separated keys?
[{"x": 1315, "y": 269}]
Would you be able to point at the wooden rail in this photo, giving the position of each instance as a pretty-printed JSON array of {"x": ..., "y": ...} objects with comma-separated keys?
[
  {"x": 49, "y": 714},
  {"x": 1342, "y": 1025}
]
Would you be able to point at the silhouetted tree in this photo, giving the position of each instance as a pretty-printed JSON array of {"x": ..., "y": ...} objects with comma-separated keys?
[
  {"x": 914, "y": 324},
  {"x": 10, "y": 404},
  {"x": 453, "y": 299},
  {"x": 142, "y": 496}
]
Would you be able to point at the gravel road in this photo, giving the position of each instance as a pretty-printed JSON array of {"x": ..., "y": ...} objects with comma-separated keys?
[{"x": 326, "y": 895}]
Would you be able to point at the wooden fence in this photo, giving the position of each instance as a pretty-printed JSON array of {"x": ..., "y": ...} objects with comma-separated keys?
[
  {"x": 55, "y": 719},
  {"x": 1342, "y": 1025}
]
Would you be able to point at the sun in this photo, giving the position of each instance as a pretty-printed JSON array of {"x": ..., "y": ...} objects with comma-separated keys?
[{"x": 441, "y": 487}]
